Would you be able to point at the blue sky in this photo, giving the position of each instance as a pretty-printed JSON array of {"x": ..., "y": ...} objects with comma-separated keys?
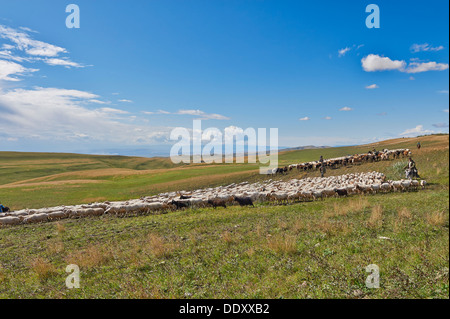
[{"x": 136, "y": 69}]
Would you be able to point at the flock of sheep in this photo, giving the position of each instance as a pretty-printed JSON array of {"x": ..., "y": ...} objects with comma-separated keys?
[
  {"x": 244, "y": 194},
  {"x": 371, "y": 156}
]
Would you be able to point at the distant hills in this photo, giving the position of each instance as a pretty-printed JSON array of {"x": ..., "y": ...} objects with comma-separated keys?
[{"x": 164, "y": 150}]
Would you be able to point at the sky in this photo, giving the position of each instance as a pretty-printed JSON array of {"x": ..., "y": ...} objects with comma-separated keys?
[{"x": 135, "y": 70}]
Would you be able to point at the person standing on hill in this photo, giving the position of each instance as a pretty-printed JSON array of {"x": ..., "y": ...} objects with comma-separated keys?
[
  {"x": 418, "y": 145},
  {"x": 322, "y": 166},
  {"x": 3, "y": 209}
]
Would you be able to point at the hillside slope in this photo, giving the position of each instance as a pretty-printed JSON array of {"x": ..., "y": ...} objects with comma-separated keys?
[{"x": 32, "y": 180}]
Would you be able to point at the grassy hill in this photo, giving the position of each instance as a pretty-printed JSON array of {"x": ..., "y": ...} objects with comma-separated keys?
[
  {"x": 33, "y": 180},
  {"x": 305, "y": 250}
]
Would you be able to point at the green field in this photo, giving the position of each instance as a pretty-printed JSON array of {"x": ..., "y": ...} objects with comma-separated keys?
[{"x": 304, "y": 250}]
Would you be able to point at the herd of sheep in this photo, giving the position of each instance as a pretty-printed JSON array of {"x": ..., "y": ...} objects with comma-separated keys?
[
  {"x": 371, "y": 156},
  {"x": 244, "y": 194}
]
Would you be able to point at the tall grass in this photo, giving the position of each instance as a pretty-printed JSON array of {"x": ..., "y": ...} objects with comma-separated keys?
[{"x": 397, "y": 170}]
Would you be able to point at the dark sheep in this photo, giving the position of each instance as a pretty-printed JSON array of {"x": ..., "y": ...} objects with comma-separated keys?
[
  {"x": 179, "y": 204},
  {"x": 244, "y": 201},
  {"x": 341, "y": 192},
  {"x": 185, "y": 197},
  {"x": 4, "y": 209},
  {"x": 217, "y": 203}
]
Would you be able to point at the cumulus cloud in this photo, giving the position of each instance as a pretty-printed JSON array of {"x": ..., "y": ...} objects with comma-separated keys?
[
  {"x": 8, "y": 70},
  {"x": 345, "y": 109},
  {"x": 306, "y": 118},
  {"x": 418, "y": 130},
  {"x": 373, "y": 63},
  {"x": 372, "y": 86},
  {"x": 425, "y": 47},
  {"x": 126, "y": 101}
]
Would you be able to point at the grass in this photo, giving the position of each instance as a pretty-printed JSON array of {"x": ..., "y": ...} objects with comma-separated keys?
[{"x": 305, "y": 250}]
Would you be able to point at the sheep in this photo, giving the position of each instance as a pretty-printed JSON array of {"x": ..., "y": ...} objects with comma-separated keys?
[
  {"x": 35, "y": 218},
  {"x": 10, "y": 221},
  {"x": 406, "y": 185},
  {"x": 180, "y": 204},
  {"x": 386, "y": 187},
  {"x": 397, "y": 185},
  {"x": 57, "y": 215},
  {"x": 244, "y": 201},
  {"x": 423, "y": 183},
  {"x": 317, "y": 194},
  {"x": 216, "y": 202},
  {"x": 327, "y": 192},
  {"x": 341, "y": 191}
]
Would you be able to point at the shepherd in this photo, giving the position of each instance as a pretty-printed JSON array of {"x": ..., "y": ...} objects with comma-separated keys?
[{"x": 411, "y": 169}]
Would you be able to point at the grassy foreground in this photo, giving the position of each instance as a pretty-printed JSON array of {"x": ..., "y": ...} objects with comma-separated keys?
[{"x": 305, "y": 250}]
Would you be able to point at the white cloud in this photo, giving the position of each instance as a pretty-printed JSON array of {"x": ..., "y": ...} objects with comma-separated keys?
[
  {"x": 25, "y": 43},
  {"x": 28, "y": 29},
  {"x": 373, "y": 62},
  {"x": 346, "y": 109},
  {"x": 63, "y": 62},
  {"x": 112, "y": 110},
  {"x": 8, "y": 69},
  {"x": 343, "y": 51},
  {"x": 327, "y": 118},
  {"x": 60, "y": 115},
  {"x": 163, "y": 112},
  {"x": 203, "y": 115},
  {"x": 372, "y": 86},
  {"x": 411, "y": 78},
  {"x": 125, "y": 101},
  {"x": 35, "y": 51},
  {"x": 98, "y": 101},
  {"x": 304, "y": 118},
  {"x": 446, "y": 110},
  {"x": 418, "y": 130},
  {"x": 443, "y": 91},
  {"x": 425, "y": 47},
  {"x": 415, "y": 67}
]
